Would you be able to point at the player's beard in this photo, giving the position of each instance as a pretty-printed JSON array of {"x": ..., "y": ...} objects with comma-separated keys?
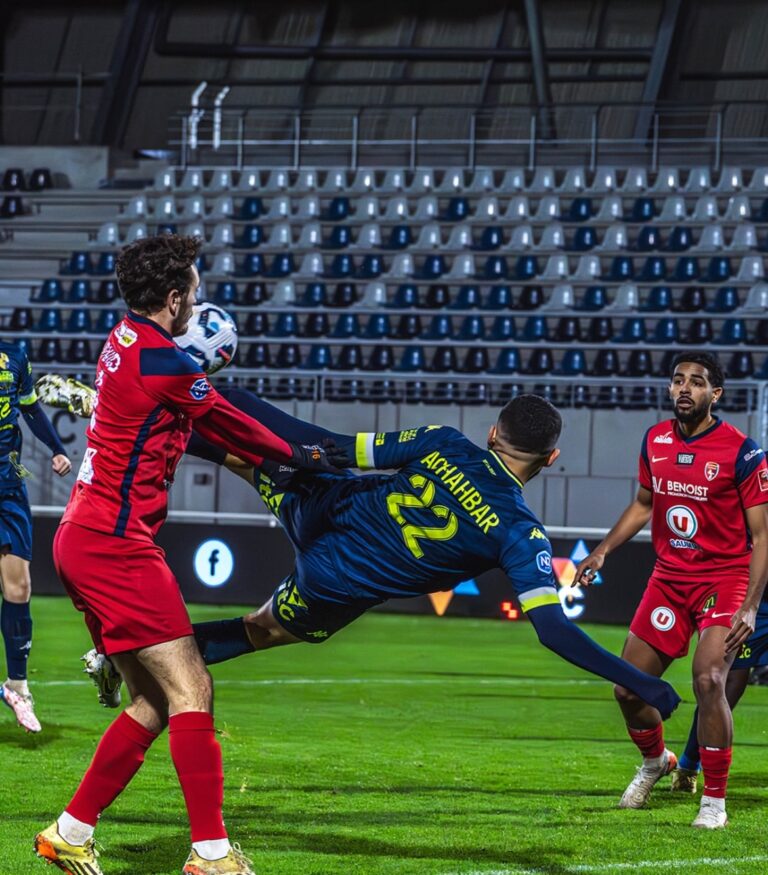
[{"x": 694, "y": 414}]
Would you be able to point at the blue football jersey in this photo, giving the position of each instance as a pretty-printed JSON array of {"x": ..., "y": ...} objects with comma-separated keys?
[
  {"x": 16, "y": 391},
  {"x": 451, "y": 511}
]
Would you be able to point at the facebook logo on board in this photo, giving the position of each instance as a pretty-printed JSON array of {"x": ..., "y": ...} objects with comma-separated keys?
[{"x": 213, "y": 563}]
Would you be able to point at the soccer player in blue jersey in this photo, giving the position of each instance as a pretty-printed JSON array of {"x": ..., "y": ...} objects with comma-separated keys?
[{"x": 17, "y": 395}]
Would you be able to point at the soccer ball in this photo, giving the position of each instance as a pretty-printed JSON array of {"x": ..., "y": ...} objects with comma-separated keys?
[{"x": 210, "y": 338}]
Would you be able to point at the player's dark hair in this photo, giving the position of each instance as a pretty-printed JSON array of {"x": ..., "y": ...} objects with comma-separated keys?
[
  {"x": 150, "y": 268},
  {"x": 706, "y": 360},
  {"x": 531, "y": 424}
]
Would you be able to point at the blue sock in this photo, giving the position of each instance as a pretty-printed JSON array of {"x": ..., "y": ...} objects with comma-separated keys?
[
  {"x": 690, "y": 758},
  {"x": 16, "y": 626},
  {"x": 220, "y": 640}
]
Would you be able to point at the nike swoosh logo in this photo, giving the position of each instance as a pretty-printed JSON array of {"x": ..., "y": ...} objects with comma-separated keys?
[
  {"x": 721, "y": 614},
  {"x": 659, "y": 458}
]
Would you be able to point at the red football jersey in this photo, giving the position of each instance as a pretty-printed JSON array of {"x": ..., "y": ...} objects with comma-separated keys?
[
  {"x": 701, "y": 487},
  {"x": 148, "y": 394}
]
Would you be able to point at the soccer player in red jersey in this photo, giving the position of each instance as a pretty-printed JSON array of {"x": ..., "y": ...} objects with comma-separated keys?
[
  {"x": 704, "y": 487},
  {"x": 149, "y": 393}
]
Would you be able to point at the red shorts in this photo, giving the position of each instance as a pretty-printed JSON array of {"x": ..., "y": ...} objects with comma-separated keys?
[
  {"x": 129, "y": 596},
  {"x": 671, "y": 611}
]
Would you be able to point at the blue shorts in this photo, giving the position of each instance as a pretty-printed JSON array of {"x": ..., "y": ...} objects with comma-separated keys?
[
  {"x": 754, "y": 651},
  {"x": 15, "y": 522}
]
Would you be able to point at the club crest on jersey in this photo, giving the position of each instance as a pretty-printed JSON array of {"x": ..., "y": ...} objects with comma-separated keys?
[
  {"x": 200, "y": 388},
  {"x": 663, "y": 619},
  {"x": 665, "y": 438},
  {"x": 685, "y": 458},
  {"x": 125, "y": 336},
  {"x": 711, "y": 470}
]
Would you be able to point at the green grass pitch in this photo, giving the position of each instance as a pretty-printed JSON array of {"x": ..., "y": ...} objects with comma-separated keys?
[{"x": 403, "y": 745}]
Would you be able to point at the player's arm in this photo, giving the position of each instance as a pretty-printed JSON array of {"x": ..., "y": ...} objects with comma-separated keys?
[
  {"x": 393, "y": 449},
  {"x": 203, "y": 449},
  {"x": 634, "y": 518},
  {"x": 39, "y": 424}
]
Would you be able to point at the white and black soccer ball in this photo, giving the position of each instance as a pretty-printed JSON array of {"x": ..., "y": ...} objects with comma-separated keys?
[{"x": 210, "y": 338}]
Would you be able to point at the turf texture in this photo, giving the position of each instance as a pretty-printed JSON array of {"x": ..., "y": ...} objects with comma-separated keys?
[{"x": 403, "y": 745}]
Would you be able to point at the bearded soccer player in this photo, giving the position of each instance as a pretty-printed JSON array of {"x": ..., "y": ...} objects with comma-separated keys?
[
  {"x": 704, "y": 487},
  {"x": 149, "y": 394},
  {"x": 18, "y": 396}
]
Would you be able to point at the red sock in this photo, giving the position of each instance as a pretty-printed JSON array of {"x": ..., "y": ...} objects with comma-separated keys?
[
  {"x": 715, "y": 763},
  {"x": 117, "y": 759},
  {"x": 650, "y": 742},
  {"x": 197, "y": 756}
]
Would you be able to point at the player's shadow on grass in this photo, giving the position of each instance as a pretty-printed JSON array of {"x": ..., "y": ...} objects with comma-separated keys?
[
  {"x": 14, "y": 736},
  {"x": 155, "y": 855},
  {"x": 535, "y": 696}
]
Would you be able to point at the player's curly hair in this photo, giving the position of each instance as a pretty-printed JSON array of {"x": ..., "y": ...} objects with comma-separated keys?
[
  {"x": 150, "y": 268},
  {"x": 531, "y": 424},
  {"x": 706, "y": 360}
]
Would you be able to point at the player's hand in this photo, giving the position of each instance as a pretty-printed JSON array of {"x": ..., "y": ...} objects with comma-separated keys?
[
  {"x": 61, "y": 465},
  {"x": 587, "y": 569},
  {"x": 312, "y": 457},
  {"x": 742, "y": 626}
]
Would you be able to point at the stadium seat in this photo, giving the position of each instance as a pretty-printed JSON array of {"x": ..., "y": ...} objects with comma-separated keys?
[
  {"x": 757, "y": 299},
  {"x": 165, "y": 179},
  {"x": 556, "y": 268},
  {"x": 371, "y": 267},
  {"x": 705, "y": 209},
  {"x": 249, "y": 180},
  {"x": 393, "y": 181},
  {"x": 251, "y": 265},
  {"x": 221, "y": 180},
  {"x": 401, "y": 267},
  {"x": 374, "y": 294},
  {"x": 192, "y": 180},
  {"x": 471, "y": 328},
  {"x": 457, "y": 210},
  {"x": 643, "y": 210},
  {"x": 338, "y": 209},
  {"x": 635, "y": 180},
  {"x": 476, "y": 361},
  {"x": 406, "y": 295},
  {"x": 350, "y": 358},
  {"x": 627, "y": 298},
  {"x": 719, "y": 269},
  {"x": 666, "y": 331},
  {"x": 436, "y": 297},
  {"x": 760, "y": 335},
  {"x": 347, "y": 325},
  {"x": 680, "y": 239},
  {"x": 281, "y": 235},
  {"x": 378, "y": 326},
  {"x": 79, "y": 263},
  {"x": 543, "y": 180},
  {"x": 50, "y": 290},
  {"x": 604, "y": 181},
  {"x": 698, "y": 180},
  {"x": 711, "y": 239},
  {"x": 667, "y": 180},
  {"x": 257, "y": 324},
  {"x": 686, "y": 269},
  {"x": 21, "y": 319},
  {"x": 654, "y": 269},
  {"x": 737, "y": 209},
  {"x": 79, "y": 321},
  {"x": 567, "y": 330},
  {"x": 606, "y": 363},
  {"x": 584, "y": 239},
  {"x": 79, "y": 292},
  {"x": 422, "y": 182},
  {"x": 192, "y": 207},
  {"x": 335, "y": 180},
  {"x": 194, "y": 229},
  {"x": 539, "y": 362},
  {"x": 496, "y": 268},
  {"x": 632, "y": 331},
  {"x": 364, "y": 181},
  {"x": 369, "y": 237},
  {"x": 648, "y": 239},
  {"x": 258, "y": 356},
  {"x": 78, "y": 352},
  {"x": 339, "y": 238},
  {"x": 310, "y": 236},
  {"x": 486, "y": 210},
  {"x": 137, "y": 207},
  {"x": 345, "y": 295},
  {"x": 531, "y": 298},
  {"x": 673, "y": 210},
  {"x": 659, "y": 300},
  {"x": 288, "y": 356},
  {"x": 278, "y": 181},
  {"x": 535, "y": 329},
  {"x": 256, "y": 293},
  {"x": 315, "y": 295},
  {"x": 482, "y": 181},
  {"x": 520, "y": 239},
  {"x": 108, "y": 234},
  {"x": 283, "y": 295},
  {"x": 49, "y": 321},
  {"x": 430, "y": 237},
  {"x": 726, "y": 300},
  {"x": 443, "y": 360},
  {"x": 561, "y": 298},
  {"x": 366, "y": 209},
  {"x": 758, "y": 183},
  {"x": 548, "y": 209},
  {"x": 573, "y": 363},
  {"x": 440, "y": 328},
  {"x": 491, "y": 238},
  {"x": 600, "y": 329},
  {"x": 744, "y": 237},
  {"x": 400, "y": 236},
  {"x": 223, "y": 234},
  {"x": 499, "y": 298},
  {"x": 426, "y": 208},
  {"x": 610, "y": 209},
  {"x": 512, "y": 181},
  {"x": 40, "y": 179},
  {"x": 341, "y": 266},
  {"x": 615, "y": 239},
  {"x": 580, "y": 210},
  {"x": 459, "y": 238},
  {"x": 740, "y": 366},
  {"x": 639, "y": 364},
  {"x": 518, "y": 209},
  {"x": 751, "y": 269},
  {"x": 733, "y": 331},
  {"x": 411, "y": 360},
  {"x": 251, "y": 208},
  {"x": 588, "y": 269},
  {"x": 594, "y": 298},
  {"x": 311, "y": 266},
  {"x": 468, "y": 298},
  {"x": 50, "y": 351},
  {"x": 107, "y": 321},
  {"x": 316, "y": 325},
  {"x": 730, "y": 181},
  {"x": 307, "y": 181},
  {"x": 503, "y": 328},
  {"x": 223, "y": 207},
  {"x": 452, "y": 181},
  {"x": 308, "y": 208},
  {"x": 621, "y": 269},
  {"x": 285, "y": 325},
  {"x": 507, "y": 362},
  {"x": 692, "y": 300},
  {"x": 463, "y": 267}
]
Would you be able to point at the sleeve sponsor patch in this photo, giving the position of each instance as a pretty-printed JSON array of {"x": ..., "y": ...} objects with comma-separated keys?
[
  {"x": 544, "y": 562},
  {"x": 200, "y": 388}
]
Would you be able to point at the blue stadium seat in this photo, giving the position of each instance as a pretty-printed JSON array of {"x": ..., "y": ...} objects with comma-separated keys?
[
  {"x": 445, "y": 393},
  {"x": 408, "y": 326},
  {"x": 105, "y": 266},
  {"x": 762, "y": 215},
  {"x": 692, "y": 300},
  {"x": 507, "y": 362},
  {"x": 252, "y": 265},
  {"x": 760, "y": 335},
  {"x": 621, "y": 269},
  {"x": 458, "y": 210},
  {"x": 632, "y": 331},
  {"x": 687, "y": 269},
  {"x": 316, "y": 325},
  {"x": 539, "y": 362},
  {"x": 342, "y": 266},
  {"x": 641, "y": 398},
  {"x": 411, "y": 360},
  {"x": 40, "y": 179},
  {"x": 350, "y": 358},
  {"x": 503, "y": 328},
  {"x": 315, "y": 295},
  {"x": 50, "y": 320},
  {"x": 639, "y": 364},
  {"x": 600, "y": 329},
  {"x": 400, "y": 237},
  {"x": 475, "y": 361},
  {"x": 659, "y": 299},
  {"x": 107, "y": 321},
  {"x": 606, "y": 363},
  {"x": 201, "y": 263},
  {"x": 106, "y": 293},
  {"x": 699, "y": 332},
  {"x": 318, "y": 358},
  {"x": 78, "y": 352},
  {"x": 250, "y": 237},
  {"x": 226, "y": 294},
  {"x": 251, "y": 208},
  {"x": 282, "y": 265},
  {"x": 443, "y": 360},
  {"x": 288, "y": 356},
  {"x": 406, "y": 295},
  {"x": 258, "y": 356},
  {"x": 378, "y": 326},
  {"x": 467, "y": 299},
  {"x": 383, "y": 391},
  {"x": 643, "y": 210},
  {"x": 160, "y": 229},
  {"x": 535, "y": 329},
  {"x": 433, "y": 268},
  {"x": 491, "y": 238},
  {"x": 79, "y": 292},
  {"x": 499, "y": 298},
  {"x": 440, "y": 328},
  {"x": 567, "y": 330},
  {"x": 584, "y": 239},
  {"x": 255, "y": 294},
  {"x": 726, "y": 300},
  {"x": 13, "y": 180},
  {"x": 50, "y": 290},
  {"x": 372, "y": 267},
  {"x": 496, "y": 268},
  {"x": 680, "y": 239},
  {"x": 49, "y": 351},
  {"x": 286, "y": 325},
  {"x": 580, "y": 210},
  {"x": 733, "y": 331},
  {"x": 416, "y": 392},
  {"x": 531, "y": 298},
  {"x": 21, "y": 319},
  {"x": 338, "y": 209},
  {"x": 648, "y": 239},
  {"x": 719, "y": 269},
  {"x": 437, "y": 297},
  {"x": 79, "y": 263},
  {"x": 740, "y": 366},
  {"x": 79, "y": 321},
  {"x": 472, "y": 328},
  {"x": 666, "y": 331},
  {"x": 381, "y": 358},
  {"x": 654, "y": 269},
  {"x": 573, "y": 363},
  {"x": 526, "y": 267},
  {"x": 339, "y": 238},
  {"x": 594, "y": 298},
  {"x": 344, "y": 295},
  {"x": 257, "y": 324}
]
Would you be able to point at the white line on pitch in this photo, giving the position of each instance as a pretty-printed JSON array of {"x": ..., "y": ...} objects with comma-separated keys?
[
  {"x": 639, "y": 865},
  {"x": 404, "y": 682}
]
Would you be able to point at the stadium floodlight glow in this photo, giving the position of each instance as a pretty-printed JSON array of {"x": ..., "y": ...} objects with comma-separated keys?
[{"x": 213, "y": 563}]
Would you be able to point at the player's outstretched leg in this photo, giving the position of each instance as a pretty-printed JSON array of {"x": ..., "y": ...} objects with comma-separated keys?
[
  {"x": 51, "y": 847},
  {"x": 107, "y": 679}
]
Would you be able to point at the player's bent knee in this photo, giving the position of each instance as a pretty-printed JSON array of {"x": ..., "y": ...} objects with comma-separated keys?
[
  {"x": 624, "y": 696},
  {"x": 709, "y": 684}
]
